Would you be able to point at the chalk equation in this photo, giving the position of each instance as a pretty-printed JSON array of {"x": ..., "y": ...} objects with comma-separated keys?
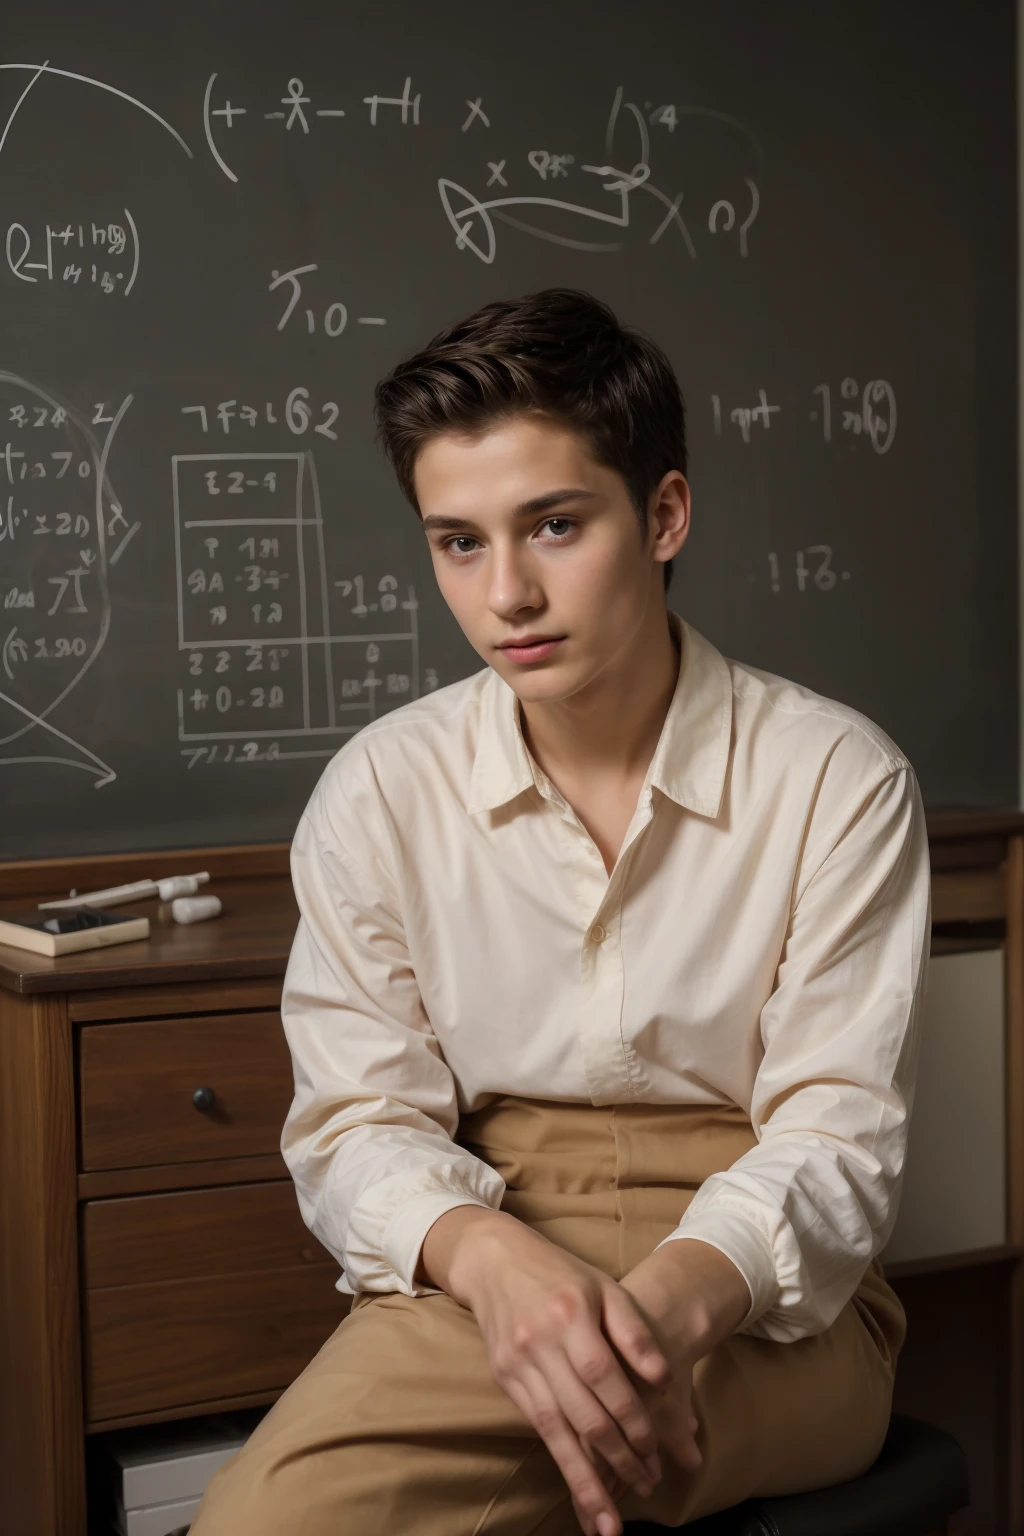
[
  {"x": 334, "y": 317},
  {"x": 104, "y": 255},
  {"x": 295, "y": 411},
  {"x": 295, "y": 111},
  {"x": 274, "y": 652},
  {"x": 62, "y": 530},
  {"x": 606, "y": 186},
  {"x": 864, "y": 411},
  {"x": 811, "y": 571},
  {"x": 472, "y": 217}
]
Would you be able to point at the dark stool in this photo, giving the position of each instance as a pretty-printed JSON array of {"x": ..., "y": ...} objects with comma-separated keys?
[{"x": 918, "y": 1480}]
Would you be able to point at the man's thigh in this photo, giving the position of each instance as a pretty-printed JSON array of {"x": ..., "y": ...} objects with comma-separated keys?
[{"x": 398, "y": 1425}]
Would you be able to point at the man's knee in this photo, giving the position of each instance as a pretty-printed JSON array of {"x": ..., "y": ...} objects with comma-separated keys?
[{"x": 238, "y": 1498}]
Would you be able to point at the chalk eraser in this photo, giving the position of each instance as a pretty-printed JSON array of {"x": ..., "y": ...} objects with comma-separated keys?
[{"x": 195, "y": 909}]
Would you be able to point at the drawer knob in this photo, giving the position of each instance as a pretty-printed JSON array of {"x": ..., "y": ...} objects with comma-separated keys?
[{"x": 204, "y": 1098}]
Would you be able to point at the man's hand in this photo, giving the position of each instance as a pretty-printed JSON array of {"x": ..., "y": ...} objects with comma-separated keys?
[
  {"x": 691, "y": 1297},
  {"x": 555, "y": 1328},
  {"x": 670, "y": 1407}
]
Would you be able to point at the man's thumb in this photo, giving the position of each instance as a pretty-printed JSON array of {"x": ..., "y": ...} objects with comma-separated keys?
[{"x": 629, "y": 1332}]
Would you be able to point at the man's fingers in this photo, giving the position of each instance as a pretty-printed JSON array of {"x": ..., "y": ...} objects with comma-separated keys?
[
  {"x": 612, "y": 1381},
  {"x": 678, "y": 1432},
  {"x": 601, "y": 1405},
  {"x": 613, "y": 1482},
  {"x": 632, "y": 1337},
  {"x": 589, "y": 1494}
]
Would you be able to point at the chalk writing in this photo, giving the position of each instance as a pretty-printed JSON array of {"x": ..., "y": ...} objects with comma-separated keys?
[
  {"x": 69, "y": 254},
  {"x": 820, "y": 575},
  {"x": 867, "y": 412},
  {"x": 247, "y": 752},
  {"x": 62, "y": 529},
  {"x": 403, "y": 103},
  {"x": 547, "y": 164},
  {"x": 745, "y": 416},
  {"x": 472, "y": 218},
  {"x": 294, "y": 110},
  {"x": 334, "y": 318},
  {"x": 476, "y": 114},
  {"x": 295, "y": 412},
  {"x": 254, "y": 598}
]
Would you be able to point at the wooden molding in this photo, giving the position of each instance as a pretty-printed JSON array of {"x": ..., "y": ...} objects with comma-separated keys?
[
  {"x": 942, "y": 1264},
  {"x": 39, "y": 877},
  {"x": 968, "y": 895},
  {"x": 42, "y": 1455},
  {"x": 955, "y": 826},
  {"x": 176, "y": 1176},
  {"x": 1014, "y": 1080},
  {"x": 191, "y": 1410}
]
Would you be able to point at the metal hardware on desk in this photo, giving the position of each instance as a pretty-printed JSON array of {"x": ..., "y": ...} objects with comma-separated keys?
[{"x": 204, "y": 1098}]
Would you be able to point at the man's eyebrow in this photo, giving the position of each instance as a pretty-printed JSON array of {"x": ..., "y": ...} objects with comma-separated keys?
[{"x": 525, "y": 509}]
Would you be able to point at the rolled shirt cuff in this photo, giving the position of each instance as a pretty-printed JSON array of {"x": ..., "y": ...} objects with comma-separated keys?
[
  {"x": 742, "y": 1241},
  {"x": 405, "y": 1232}
]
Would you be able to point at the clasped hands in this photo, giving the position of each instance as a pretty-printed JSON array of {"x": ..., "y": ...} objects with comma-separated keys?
[{"x": 584, "y": 1359}]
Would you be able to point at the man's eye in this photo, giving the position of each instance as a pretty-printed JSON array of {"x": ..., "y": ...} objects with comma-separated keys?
[{"x": 448, "y": 544}]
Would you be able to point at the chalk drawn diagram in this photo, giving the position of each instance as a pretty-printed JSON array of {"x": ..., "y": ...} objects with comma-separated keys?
[
  {"x": 464, "y": 210},
  {"x": 472, "y": 218},
  {"x": 276, "y": 658},
  {"x": 297, "y": 101},
  {"x": 77, "y": 246},
  {"x": 61, "y": 530},
  {"x": 255, "y": 636},
  {"x": 52, "y": 72},
  {"x": 62, "y": 527}
]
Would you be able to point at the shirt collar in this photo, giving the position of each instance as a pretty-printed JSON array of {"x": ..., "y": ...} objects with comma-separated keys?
[{"x": 689, "y": 763}]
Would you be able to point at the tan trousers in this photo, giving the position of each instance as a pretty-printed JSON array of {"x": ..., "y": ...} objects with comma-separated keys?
[{"x": 398, "y": 1428}]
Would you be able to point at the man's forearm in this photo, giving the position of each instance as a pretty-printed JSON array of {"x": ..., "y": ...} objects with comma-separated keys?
[
  {"x": 687, "y": 1287},
  {"x": 447, "y": 1238},
  {"x": 692, "y": 1291}
]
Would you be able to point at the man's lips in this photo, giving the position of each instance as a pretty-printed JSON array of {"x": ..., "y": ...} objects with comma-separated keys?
[
  {"x": 524, "y": 645},
  {"x": 536, "y": 650}
]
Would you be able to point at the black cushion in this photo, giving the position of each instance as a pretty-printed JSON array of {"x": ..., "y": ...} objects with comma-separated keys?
[{"x": 918, "y": 1480}]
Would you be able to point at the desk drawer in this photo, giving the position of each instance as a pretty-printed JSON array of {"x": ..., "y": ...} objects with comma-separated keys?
[
  {"x": 137, "y": 1083},
  {"x": 199, "y": 1296}
]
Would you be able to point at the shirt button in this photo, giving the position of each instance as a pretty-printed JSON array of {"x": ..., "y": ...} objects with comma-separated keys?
[{"x": 597, "y": 933}]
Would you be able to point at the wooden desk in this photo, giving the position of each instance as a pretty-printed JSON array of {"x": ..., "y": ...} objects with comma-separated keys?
[{"x": 153, "y": 1263}]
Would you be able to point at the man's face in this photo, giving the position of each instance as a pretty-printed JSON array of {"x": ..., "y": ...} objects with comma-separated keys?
[{"x": 550, "y": 546}]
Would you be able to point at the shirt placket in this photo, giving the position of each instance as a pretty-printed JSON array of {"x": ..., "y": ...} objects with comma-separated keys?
[{"x": 602, "y": 977}]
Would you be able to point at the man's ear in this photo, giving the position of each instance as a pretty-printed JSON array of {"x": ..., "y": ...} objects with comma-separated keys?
[{"x": 669, "y": 504}]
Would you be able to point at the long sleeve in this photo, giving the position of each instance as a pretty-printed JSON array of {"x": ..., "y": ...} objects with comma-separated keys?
[
  {"x": 369, "y": 1136},
  {"x": 804, "y": 1212}
]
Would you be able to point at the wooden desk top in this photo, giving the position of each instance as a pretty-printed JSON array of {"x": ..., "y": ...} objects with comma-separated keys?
[{"x": 252, "y": 937}]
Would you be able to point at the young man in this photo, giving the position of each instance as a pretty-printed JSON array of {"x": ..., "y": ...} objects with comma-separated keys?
[{"x": 604, "y": 1009}]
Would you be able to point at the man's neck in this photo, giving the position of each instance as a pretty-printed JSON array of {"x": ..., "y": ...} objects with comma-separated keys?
[{"x": 605, "y": 737}]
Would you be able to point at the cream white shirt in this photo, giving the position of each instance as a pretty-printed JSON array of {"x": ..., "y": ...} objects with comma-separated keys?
[{"x": 762, "y": 940}]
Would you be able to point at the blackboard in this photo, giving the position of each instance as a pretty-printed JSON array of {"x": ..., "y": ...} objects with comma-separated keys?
[{"x": 223, "y": 222}]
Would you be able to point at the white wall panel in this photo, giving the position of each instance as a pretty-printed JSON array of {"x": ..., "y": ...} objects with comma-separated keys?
[{"x": 954, "y": 1186}]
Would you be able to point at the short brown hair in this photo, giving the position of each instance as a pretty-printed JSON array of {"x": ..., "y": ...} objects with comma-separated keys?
[{"x": 560, "y": 353}]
